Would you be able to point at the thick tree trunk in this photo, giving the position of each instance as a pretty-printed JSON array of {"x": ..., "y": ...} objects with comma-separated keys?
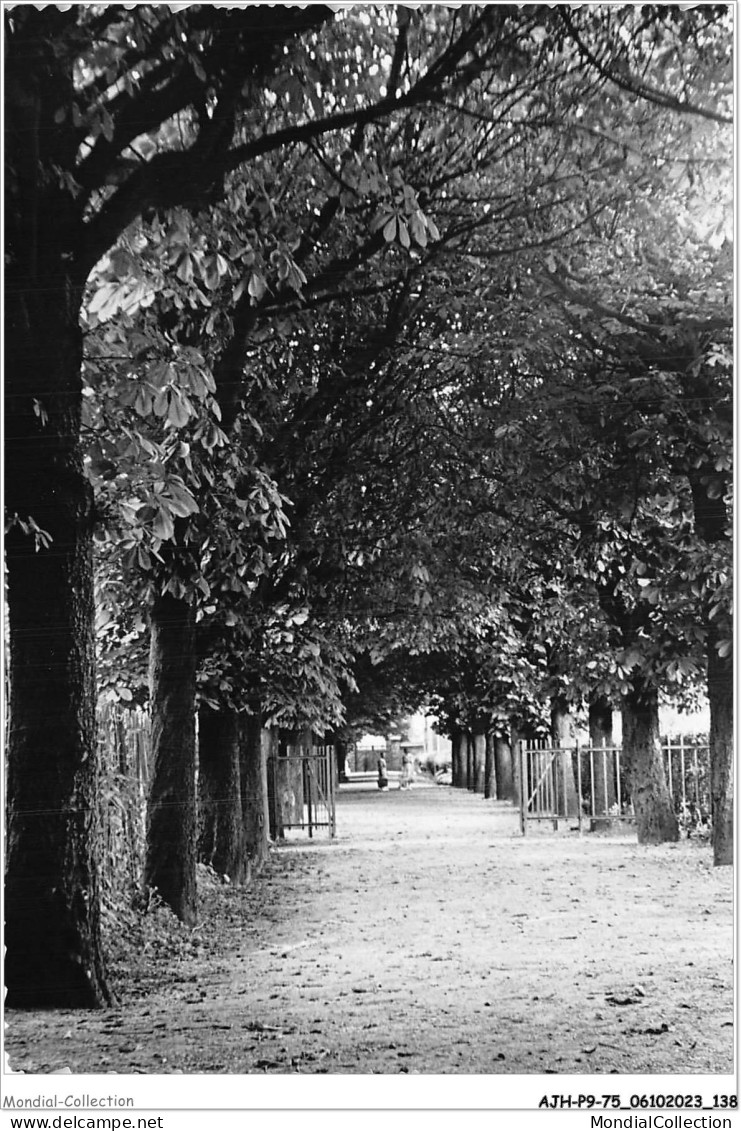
[
  {"x": 52, "y": 908},
  {"x": 644, "y": 761},
  {"x": 713, "y": 524},
  {"x": 520, "y": 786},
  {"x": 504, "y": 769},
  {"x": 340, "y": 753},
  {"x": 563, "y": 735},
  {"x": 478, "y": 741},
  {"x": 490, "y": 769},
  {"x": 170, "y": 864},
  {"x": 602, "y": 766},
  {"x": 221, "y": 841},
  {"x": 458, "y": 775},
  {"x": 720, "y": 696},
  {"x": 468, "y": 762},
  {"x": 255, "y": 744}
]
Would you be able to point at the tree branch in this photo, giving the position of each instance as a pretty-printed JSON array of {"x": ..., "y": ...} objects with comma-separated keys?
[
  {"x": 637, "y": 87},
  {"x": 172, "y": 179}
]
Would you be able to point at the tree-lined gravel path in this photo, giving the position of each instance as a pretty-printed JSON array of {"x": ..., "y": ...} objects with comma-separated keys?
[{"x": 429, "y": 937}]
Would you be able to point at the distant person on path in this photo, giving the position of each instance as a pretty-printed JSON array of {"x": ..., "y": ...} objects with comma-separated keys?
[
  {"x": 383, "y": 780},
  {"x": 407, "y": 770}
]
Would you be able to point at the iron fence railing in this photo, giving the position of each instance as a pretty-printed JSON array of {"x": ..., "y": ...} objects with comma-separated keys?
[
  {"x": 301, "y": 790},
  {"x": 590, "y": 782}
]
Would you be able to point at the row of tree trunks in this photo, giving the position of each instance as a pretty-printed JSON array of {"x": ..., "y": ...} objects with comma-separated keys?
[
  {"x": 482, "y": 763},
  {"x": 233, "y": 751},
  {"x": 222, "y": 842},
  {"x": 223, "y": 821}
]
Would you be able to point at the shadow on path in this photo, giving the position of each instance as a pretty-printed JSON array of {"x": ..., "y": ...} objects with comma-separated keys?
[{"x": 431, "y": 937}]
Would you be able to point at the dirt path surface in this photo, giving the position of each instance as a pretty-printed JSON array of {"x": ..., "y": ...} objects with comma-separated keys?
[{"x": 429, "y": 937}]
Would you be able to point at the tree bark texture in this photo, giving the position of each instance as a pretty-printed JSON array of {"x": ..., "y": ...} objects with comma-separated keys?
[
  {"x": 221, "y": 840},
  {"x": 255, "y": 743},
  {"x": 644, "y": 762},
  {"x": 720, "y": 696},
  {"x": 490, "y": 770},
  {"x": 520, "y": 786},
  {"x": 601, "y": 766},
  {"x": 340, "y": 753},
  {"x": 713, "y": 525},
  {"x": 504, "y": 769},
  {"x": 563, "y": 735},
  {"x": 478, "y": 742},
  {"x": 469, "y": 760},
  {"x": 170, "y": 864},
  {"x": 51, "y": 895},
  {"x": 52, "y": 904},
  {"x": 458, "y": 747}
]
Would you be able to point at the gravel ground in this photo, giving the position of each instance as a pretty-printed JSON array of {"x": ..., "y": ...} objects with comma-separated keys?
[{"x": 429, "y": 937}]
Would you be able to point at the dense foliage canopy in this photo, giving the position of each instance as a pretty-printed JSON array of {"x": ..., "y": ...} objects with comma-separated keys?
[{"x": 385, "y": 352}]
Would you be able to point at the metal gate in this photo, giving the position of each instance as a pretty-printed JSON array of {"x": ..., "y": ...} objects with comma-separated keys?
[
  {"x": 301, "y": 790},
  {"x": 548, "y": 791},
  {"x": 588, "y": 782}
]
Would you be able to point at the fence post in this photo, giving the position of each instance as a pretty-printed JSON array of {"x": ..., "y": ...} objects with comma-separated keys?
[
  {"x": 308, "y": 787},
  {"x": 618, "y": 787},
  {"x": 604, "y": 777},
  {"x": 520, "y": 763},
  {"x": 577, "y": 755},
  {"x": 669, "y": 749},
  {"x": 331, "y": 796}
]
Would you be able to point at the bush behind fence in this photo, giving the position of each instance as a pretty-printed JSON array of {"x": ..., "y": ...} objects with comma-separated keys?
[{"x": 123, "y": 759}]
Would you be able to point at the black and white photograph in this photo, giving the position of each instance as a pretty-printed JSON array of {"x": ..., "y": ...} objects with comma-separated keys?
[{"x": 368, "y": 464}]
